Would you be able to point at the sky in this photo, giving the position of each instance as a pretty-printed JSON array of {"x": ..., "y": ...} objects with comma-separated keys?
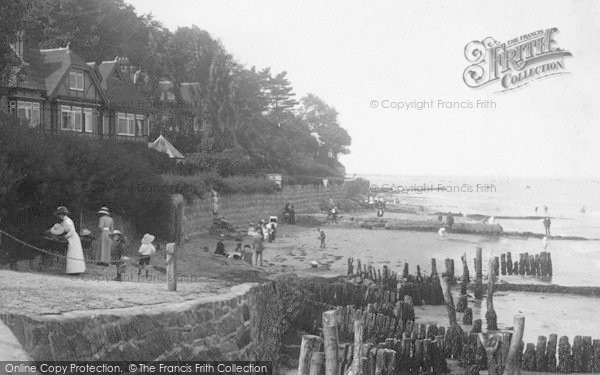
[{"x": 356, "y": 53}]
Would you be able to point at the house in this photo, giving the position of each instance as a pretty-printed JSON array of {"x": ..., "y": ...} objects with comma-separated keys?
[
  {"x": 128, "y": 113},
  {"x": 182, "y": 112},
  {"x": 55, "y": 90}
]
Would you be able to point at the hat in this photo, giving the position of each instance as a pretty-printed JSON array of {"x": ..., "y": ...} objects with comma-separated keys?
[
  {"x": 103, "y": 210},
  {"x": 61, "y": 210},
  {"x": 148, "y": 238},
  {"x": 115, "y": 232},
  {"x": 57, "y": 229},
  {"x": 222, "y": 235},
  {"x": 85, "y": 232}
]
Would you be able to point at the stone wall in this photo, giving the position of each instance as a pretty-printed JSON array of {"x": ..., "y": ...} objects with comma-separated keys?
[
  {"x": 244, "y": 324},
  {"x": 241, "y": 209},
  {"x": 10, "y": 348}
]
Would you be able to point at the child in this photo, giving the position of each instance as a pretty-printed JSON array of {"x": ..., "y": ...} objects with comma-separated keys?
[
  {"x": 220, "y": 250},
  {"x": 146, "y": 250},
  {"x": 321, "y": 237},
  {"x": 117, "y": 252}
]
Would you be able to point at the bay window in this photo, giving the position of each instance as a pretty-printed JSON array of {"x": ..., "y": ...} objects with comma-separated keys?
[
  {"x": 125, "y": 124},
  {"x": 30, "y": 112},
  {"x": 77, "y": 119}
]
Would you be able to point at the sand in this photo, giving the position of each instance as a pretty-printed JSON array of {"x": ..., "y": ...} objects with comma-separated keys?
[{"x": 295, "y": 248}]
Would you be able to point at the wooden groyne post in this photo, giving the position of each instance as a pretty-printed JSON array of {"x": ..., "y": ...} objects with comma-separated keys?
[
  {"x": 330, "y": 337},
  {"x": 433, "y": 267},
  {"x": 171, "y": 267},
  {"x": 513, "y": 366},
  {"x": 356, "y": 367},
  {"x": 454, "y": 335},
  {"x": 309, "y": 345},
  {"x": 478, "y": 274},
  {"x": 490, "y": 315},
  {"x": 317, "y": 364}
]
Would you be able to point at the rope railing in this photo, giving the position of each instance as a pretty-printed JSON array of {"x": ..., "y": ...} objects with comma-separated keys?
[{"x": 44, "y": 251}]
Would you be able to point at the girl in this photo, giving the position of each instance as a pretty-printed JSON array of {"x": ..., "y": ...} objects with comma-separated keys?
[{"x": 146, "y": 250}]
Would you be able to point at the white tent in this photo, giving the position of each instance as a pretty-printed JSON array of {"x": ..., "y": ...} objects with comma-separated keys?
[{"x": 161, "y": 144}]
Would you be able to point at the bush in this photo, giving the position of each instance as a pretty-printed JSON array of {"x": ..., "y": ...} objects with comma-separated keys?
[
  {"x": 41, "y": 171},
  {"x": 198, "y": 185}
]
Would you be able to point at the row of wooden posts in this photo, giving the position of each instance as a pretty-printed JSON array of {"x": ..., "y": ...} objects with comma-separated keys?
[
  {"x": 404, "y": 347},
  {"x": 528, "y": 264},
  {"x": 425, "y": 354}
]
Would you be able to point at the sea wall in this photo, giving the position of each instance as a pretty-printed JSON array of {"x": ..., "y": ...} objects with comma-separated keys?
[
  {"x": 10, "y": 348},
  {"x": 245, "y": 323},
  {"x": 241, "y": 209}
]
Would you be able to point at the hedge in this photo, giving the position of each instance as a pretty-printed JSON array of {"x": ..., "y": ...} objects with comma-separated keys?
[{"x": 40, "y": 171}]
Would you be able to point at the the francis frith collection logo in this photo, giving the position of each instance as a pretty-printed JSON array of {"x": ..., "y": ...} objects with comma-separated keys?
[{"x": 514, "y": 63}]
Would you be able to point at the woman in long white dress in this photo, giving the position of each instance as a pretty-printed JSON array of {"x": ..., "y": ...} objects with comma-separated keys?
[
  {"x": 75, "y": 261},
  {"x": 106, "y": 225}
]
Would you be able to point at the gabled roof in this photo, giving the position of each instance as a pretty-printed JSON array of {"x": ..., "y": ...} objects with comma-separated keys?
[
  {"x": 45, "y": 69},
  {"x": 118, "y": 87},
  {"x": 161, "y": 144},
  {"x": 56, "y": 63},
  {"x": 106, "y": 68}
]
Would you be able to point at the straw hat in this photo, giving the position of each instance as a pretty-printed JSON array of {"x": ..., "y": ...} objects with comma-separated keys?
[
  {"x": 61, "y": 210},
  {"x": 57, "y": 229},
  {"x": 103, "y": 210},
  {"x": 148, "y": 238},
  {"x": 114, "y": 233}
]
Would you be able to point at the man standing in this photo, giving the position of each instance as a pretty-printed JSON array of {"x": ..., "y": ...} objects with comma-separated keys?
[
  {"x": 547, "y": 223},
  {"x": 321, "y": 238}
]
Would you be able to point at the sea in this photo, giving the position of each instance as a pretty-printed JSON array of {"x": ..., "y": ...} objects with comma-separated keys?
[
  {"x": 573, "y": 205},
  {"x": 520, "y": 203}
]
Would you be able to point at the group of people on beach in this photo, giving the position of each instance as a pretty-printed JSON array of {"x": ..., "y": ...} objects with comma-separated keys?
[
  {"x": 251, "y": 252},
  {"x": 111, "y": 244}
]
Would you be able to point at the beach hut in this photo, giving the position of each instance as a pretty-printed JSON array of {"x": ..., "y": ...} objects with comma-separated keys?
[{"x": 161, "y": 144}]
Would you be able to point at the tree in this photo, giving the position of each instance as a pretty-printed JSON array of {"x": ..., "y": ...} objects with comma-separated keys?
[
  {"x": 279, "y": 94},
  {"x": 323, "y": 120},
  {"x": 11, "y": 21},
  {"x": 97, "y": 29}
]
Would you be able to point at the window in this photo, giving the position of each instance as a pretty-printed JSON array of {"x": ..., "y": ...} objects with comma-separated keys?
[
  {"x": 88, "y": 120},
  {"x": 77, "y": 118},
  {"x": 125, "y": 124},
  {"x": 76, "y": 80},
  {"x": 66, "y": 118},
  {"x": 72, "y": 118},
  {"x": 29, "y": 111}
]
